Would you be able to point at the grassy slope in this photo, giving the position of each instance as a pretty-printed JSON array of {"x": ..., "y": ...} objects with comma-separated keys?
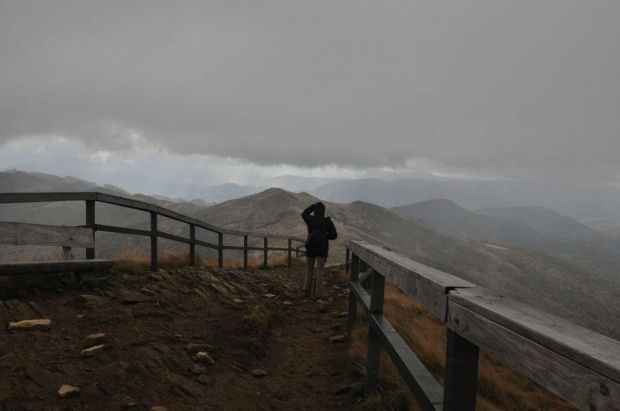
[
  {"x": 549, "y": 283},
  {"x": 499, "y": 386}
]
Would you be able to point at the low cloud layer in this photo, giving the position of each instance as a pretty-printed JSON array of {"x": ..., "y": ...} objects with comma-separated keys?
[{"x": 526, "y": 89}]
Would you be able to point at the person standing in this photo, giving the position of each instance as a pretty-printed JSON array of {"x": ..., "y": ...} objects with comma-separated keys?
[{"x": 321, "y": 230}]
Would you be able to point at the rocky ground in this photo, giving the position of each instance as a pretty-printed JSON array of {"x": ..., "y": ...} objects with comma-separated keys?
[{"x": 187, "y": 339}]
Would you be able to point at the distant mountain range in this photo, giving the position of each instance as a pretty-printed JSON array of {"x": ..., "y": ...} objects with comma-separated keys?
[
  {"x": 604, "y": 225},
  {"x": 473, "y": 195},
  {"x": 503, "y": 250},
  {"x": 535, "y": 228}
]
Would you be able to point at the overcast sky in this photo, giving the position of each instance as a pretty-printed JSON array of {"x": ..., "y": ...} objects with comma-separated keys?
[{"x": 239, "y": 90}]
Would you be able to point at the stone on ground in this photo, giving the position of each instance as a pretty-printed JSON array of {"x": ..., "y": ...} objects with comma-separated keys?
[
  {"x": 195, "y": 347},
  {"x": 92, "y": 351},
  {"x": 205, "y": 357},
  {"x": 258, "y": 373},
  {"x": 337, "y": 338},
  {"x": 93, "y": 339},
  {"x": 159, "y": 408},
  {"x": 67, "y": 391},
  {"x": 26, "y": 325}
]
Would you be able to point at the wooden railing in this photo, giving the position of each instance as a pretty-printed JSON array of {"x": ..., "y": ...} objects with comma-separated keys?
[
  {"x": 577, "y": 364},
  {"x": 90, "y": 198}
]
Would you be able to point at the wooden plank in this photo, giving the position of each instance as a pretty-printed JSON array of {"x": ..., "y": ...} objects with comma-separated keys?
[
  {"x": 289, "y": 257},
  {"x": 130, "y": 203},
  {"x": 353, "y": 297},
  {"x": 220, "y": 250},
  {"x": 208, "y": 245},
  {"x": 49, "y": 267},
  {"x": 402, "y": 266},
  {"x": 373, "y": 358},
  {"x": 245, "y": 252},
  {"x": 420, "y": 381},
  {"x": 45, "y": 197},
  {"x": 362, "y": 297},
  {"x": 265, "y": 256},
  {"x": 432, "y": 299},
  {"x": 141, "y": 205},
  {"x": 90, "y": 222},
  {"x": 48, "y": 235},
  {"x": 122, "y": 230},
  {"x": 154, "y": 265},
  {"x": 461, "y": 375},
  {"x": 590, "y": 349},
  {"x": 173, "y": 237},
  {"x": 192, "y": 245},
  {"x": 580, "y": 385}
]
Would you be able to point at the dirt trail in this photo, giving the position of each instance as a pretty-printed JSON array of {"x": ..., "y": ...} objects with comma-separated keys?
[{"x": 155, "y": 324}]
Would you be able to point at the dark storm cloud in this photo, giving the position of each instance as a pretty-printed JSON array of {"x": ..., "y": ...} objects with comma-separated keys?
[{"x": 527, "y": 88}]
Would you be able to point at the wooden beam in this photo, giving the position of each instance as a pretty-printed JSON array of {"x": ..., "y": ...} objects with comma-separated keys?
[
  {"x": 355, "y": 269},
  {"x": 419, "y": 380},
  {"x": 290, "y": 255},
  {"x": 46, "y": 197},
  {"x": 154, "y": 265},
  {"x": 208, "y": 245},
  {"x": 574, "y": 382},
  {"x": 427, "y": 285},
  {"x": 173, "y": 237},
  {"x": 373, "y": 358},
  {"x": 46, "y": 235},
  {"x": 90, "y": 222},
  {"x": 421, "y": 383},
  {"x": 122, "y": 230},
  {"x": 265, "y": 248},
  {"x": 192, "y": 245},
  {"x": 395, "y": 266},
  {"x": 128, "y": 203},
  {"x": 245, "y": 252},
  {"x": 590, "y": 349},
  {"x": 220, "y": 251},
  {"x": 461, "y": 375}
]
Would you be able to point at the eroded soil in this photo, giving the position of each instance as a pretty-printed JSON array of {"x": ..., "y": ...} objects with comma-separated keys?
[{"x": 150, "y": 321}]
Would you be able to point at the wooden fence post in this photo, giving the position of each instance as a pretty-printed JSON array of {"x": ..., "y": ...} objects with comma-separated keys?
[
  {"x": 290, "y": 253},
  {"x": 153, "y": 241},
  {"x": 461, "y": 375},
  {"x": 220, "y": 251},
  {"x": 355, "y": 270},
  {"x": 374, "y": 344},
  {"x": 245, "y": 252},
  {"x": 90, "y": 222},
  {"x": 265, "y": 261},
  {"x": 346, "y": 259},
  {"x": 192, "y": 245}
]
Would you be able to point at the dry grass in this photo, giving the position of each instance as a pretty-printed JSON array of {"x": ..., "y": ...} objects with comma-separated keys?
[
  {"x": 132, "y": 263},
  {"x": 499, "y": 386}
]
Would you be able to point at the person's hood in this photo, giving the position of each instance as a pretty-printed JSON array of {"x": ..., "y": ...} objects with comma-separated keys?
[{"x": 319, "y": 209}]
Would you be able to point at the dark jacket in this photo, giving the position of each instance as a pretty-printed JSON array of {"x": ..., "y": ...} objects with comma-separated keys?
[{"x": 319, "y": 221}]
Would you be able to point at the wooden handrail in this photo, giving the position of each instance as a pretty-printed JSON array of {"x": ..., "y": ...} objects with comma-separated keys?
[
  {"x": 90, "y": 198},
  {"x": 579, "y": 365}
]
